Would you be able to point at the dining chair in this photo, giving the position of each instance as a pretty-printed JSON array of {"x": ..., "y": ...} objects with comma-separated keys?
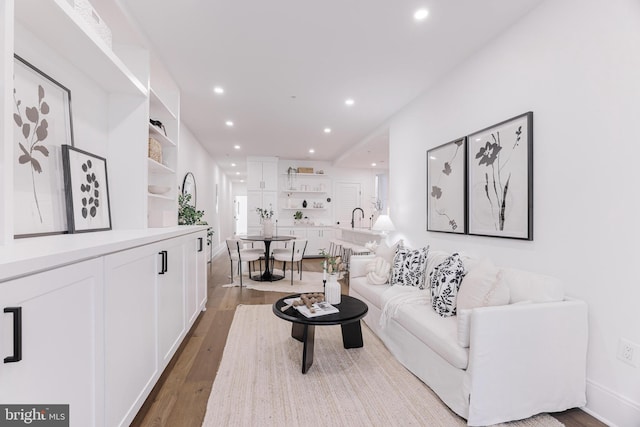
[
  {"x": 293, "y": 253},
  {"x": 237, "y": 253}
]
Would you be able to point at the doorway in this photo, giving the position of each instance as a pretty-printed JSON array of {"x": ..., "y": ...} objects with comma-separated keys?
[
  {"x": 240, "y": 215},
  {"x": 348, "y": 197}
]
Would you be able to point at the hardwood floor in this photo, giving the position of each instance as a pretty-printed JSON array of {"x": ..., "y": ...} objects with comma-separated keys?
[{"x": 181, "y": 395}]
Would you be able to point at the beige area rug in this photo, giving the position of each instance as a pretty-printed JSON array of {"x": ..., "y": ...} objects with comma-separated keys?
[
  {"x": 259, "y": 382},
  {"x": 311, "y": 282}
]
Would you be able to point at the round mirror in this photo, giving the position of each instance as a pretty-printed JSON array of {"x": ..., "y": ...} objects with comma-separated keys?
[{"x": 189, "y": 187}]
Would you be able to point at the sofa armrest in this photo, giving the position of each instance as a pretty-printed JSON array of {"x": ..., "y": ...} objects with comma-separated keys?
[
  {"x": 526, "y": 359},
  {"x": 358, "y": 265}
]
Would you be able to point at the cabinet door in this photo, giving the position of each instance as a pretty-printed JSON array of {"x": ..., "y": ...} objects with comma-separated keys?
[
  {"x": 318, "y": 239},
  {"x": 270, "y": 176},
  {"x": 254, "y": 175},
  {"x": 260, "y": 199},
  {"x": 131, "y": 363},
  {"x": 62, "y": 330},
  {"x": 195, "y": 276},
  {"x": 254, "y": 201},
  {"x": 171, "y": 307}
]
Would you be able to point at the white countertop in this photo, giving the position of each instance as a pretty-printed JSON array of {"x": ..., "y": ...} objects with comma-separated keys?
[
  {"x": 359, "y": 230},
  {"x": 35, "y": 254}
]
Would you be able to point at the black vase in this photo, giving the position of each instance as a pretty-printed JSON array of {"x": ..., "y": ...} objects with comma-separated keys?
[{"x": 304, "y": 203}]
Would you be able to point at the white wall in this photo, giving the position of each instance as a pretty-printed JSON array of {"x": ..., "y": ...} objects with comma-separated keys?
[
  {"x": 209, "y": 178},
  {"x": 576, "y": 65}
]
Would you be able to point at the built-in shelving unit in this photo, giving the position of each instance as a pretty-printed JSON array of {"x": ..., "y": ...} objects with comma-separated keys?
[
  {"x": 64, "y": 30},
  {"x": 164, "y": 107}
]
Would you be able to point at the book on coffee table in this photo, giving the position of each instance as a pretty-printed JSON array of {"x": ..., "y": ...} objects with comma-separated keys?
[{"x": 320, "y": 308}]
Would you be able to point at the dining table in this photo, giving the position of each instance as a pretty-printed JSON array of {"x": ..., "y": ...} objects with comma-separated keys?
[{"x": 267, "y": 275}]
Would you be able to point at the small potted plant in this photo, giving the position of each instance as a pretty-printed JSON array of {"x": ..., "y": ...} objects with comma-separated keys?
[{"x": 297, "y": 217}]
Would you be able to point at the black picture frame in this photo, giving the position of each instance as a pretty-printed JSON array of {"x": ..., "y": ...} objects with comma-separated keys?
[
  {"x": 500, "y": 179},
  {"x": 87, "y": 191},
  {"x": 446, "y": 187},
  {"x": 42, "y": 124}
]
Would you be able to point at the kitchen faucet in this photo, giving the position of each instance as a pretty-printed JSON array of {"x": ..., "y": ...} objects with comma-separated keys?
[{"x": 352, "y": 213}]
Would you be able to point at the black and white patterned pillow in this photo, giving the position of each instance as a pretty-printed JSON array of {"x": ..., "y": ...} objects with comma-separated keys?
[
  {"x": 409, "y": 267},
  {"x": 445, "y": 281}
]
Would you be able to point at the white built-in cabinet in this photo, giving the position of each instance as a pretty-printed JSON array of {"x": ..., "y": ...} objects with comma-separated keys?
[
  {"x": 162, "y": 207},
  {"x": 97, "y": 334},
  {"x": 318, "y": 237},
  {"x": 262, "y": 189},
  {"x": 114, "y": 92},
  {"x": 59, "y": 342}
]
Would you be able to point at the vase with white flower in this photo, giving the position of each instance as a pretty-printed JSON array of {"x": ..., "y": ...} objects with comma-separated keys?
[
  {"x": 331, "y": 267},
  {"x": 265, "y": 218}
]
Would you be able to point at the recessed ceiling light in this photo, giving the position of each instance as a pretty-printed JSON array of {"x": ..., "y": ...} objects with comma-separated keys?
[
  {"x": 233, "y": 165},
  {"x": 242, "y": 180},
  {"x": 349, "y": 101},
  {"x": 237, "y": 147},
  {"x": 229, "y": 123},
  {"x": 219, "y": 90},
  {"x": 237, "y": 173},
  {"x": 420, "y": 14},
  {"x": 311, "y": 150},
  {"x": 373, "y": 164},
  {"x": 327, "y": 130}
]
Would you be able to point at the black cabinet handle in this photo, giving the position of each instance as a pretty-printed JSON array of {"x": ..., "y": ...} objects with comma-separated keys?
[
  {"x": 17, "y": 334},
  {"x": 165, "y": 258},
  {"x": 199, "y": 244}
]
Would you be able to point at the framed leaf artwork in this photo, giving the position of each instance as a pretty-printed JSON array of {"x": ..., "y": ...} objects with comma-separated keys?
[
  {"x": 446, "y": 180},
  {"x": 42, "y": 124},
  {"x": 500, "y": 179},
  {"x": 87, "y": 191}
]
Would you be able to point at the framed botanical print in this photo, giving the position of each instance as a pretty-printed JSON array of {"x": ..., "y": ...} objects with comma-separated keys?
[
  {"x": 500, "y": 179},
  {"x": 42, "y": 124},
  {"x": 446, "y": 191},
  {"x": 87, "y": 191}
]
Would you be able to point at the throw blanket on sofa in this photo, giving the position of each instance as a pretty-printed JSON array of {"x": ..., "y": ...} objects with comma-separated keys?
[{"x": 396, "y": 296}]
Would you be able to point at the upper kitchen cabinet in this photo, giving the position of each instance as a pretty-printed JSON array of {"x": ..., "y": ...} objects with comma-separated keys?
[{"x": 262, "y": 174}]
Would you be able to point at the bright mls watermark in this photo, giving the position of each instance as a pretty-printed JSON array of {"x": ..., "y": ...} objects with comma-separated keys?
[{"x": 34, "y": 415}]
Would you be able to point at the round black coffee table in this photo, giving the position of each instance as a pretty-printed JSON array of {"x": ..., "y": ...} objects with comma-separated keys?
[{"x": 303, "y": 328}]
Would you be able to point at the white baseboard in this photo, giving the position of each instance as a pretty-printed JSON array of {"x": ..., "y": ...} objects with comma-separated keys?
[{"x": 611, "y": 408}]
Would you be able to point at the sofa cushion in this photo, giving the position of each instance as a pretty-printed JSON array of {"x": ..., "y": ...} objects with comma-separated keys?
[
  {"x": 372, "y": 293},
  {"x": 409, "y": 267},
  {"x": 444, "y": 282},
  {"x": 378, "y": 271},
  {"x": 481, "y": 287},
  {"x": 528, "y": 286},
  {"x": 439, "y": 333},
  {"x": 387, "y": 252}
]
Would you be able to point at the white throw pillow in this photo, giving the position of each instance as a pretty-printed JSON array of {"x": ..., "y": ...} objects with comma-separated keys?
[
  {"x": 528, "y": 286},
  {"x": 481, "y": 287},
  {"x": 445, "y": 281},
  {"x": 378, "y": 271},
  {"x": 387, "y": 252}
]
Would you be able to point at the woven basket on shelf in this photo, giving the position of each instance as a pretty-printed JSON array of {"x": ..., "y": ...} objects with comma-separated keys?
[{"x": 155, "y": 150}]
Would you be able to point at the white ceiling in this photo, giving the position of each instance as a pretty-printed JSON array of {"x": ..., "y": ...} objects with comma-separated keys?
[{"x": 287, "y": 67}]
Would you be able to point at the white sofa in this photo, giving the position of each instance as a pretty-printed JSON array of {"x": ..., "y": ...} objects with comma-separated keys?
[{"x": 523, "y": 358}]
